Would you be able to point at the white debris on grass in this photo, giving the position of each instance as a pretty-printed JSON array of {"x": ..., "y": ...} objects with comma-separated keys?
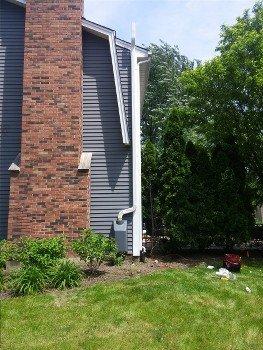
[
  {"x": 248, "y": 290},
  {"x": 210, "y": 267},
  {"x": 225, "y": 274}
]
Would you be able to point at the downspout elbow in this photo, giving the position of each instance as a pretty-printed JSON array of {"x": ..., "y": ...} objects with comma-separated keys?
[{"x": 125, "y": 212}]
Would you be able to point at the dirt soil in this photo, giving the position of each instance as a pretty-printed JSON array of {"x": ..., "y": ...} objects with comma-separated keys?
[{"x": 133, "y": 267}]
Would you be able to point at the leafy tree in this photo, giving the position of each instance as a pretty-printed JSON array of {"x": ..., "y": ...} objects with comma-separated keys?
[
  {"x": 200, "y": 192},
  {"x": 189, "y": 192},
  {"x": 164, "y": 90},
  {"x": 233, "y": 219},
  {"x": 174, "y": 167},
  {"x": 226, "y": 94},
  {"x": 151, "y": 187}
]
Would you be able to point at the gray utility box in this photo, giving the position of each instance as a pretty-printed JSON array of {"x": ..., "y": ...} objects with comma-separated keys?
[{"x": 120, "y": 233}]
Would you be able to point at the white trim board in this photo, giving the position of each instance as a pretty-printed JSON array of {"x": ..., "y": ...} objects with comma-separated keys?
[
  {"x": 110, "y": 35},
  {"x": 18, "y": 2}
]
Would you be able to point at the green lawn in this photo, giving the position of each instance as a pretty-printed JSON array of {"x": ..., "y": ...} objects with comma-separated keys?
[{"x": 172, "y": 309}]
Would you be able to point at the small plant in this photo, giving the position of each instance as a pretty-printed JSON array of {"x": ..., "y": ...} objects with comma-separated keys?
[
  {"x": 93, "y": 248},
  {"x": 28, "y": 280},
  {"x": 42, "y": 253},
  {"x": 116, "y": 259},
  {"x": 65, "y": 274}
]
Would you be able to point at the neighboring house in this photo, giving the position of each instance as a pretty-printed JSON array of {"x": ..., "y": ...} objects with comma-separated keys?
[{"x": 70, "y": 101}]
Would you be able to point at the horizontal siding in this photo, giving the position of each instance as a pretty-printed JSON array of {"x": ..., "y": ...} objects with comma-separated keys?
[
  {"x": 11, "y": 73},
  {"x": 111, "y": 171}
]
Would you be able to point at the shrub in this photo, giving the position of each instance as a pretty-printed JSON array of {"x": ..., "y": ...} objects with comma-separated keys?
[
  {"x": 65, "y": 274},
  {"x": 116, "y": 259},
  {"x": 1, "y": 280},
  {"x": 8, "y": 251},
  {"x": 93, "y": 248},
  {"x": 42, "y": 253},
  {"x": 28, "y": 280}
]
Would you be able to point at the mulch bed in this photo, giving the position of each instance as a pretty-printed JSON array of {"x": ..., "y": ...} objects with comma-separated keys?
[{"x": 132, "y": 267}]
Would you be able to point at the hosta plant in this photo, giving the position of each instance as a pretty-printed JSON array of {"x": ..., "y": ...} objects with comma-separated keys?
[
  {"x": 28, "y": 280},
  {"x": 65, "y": 274}
]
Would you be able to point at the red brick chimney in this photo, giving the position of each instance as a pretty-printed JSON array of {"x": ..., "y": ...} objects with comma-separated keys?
[{"x": 49, "y": 195}]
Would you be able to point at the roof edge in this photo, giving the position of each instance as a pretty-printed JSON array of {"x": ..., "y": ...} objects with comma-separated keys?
[
  {"x": 18, "y": 2},
  {"x": 97, "y": 28}
]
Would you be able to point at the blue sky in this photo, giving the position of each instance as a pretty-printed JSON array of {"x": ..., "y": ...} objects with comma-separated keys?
[{"x": 193, "y": 25}]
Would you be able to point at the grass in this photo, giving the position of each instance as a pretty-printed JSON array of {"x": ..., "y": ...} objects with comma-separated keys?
[{"x": 184, "y": 309}]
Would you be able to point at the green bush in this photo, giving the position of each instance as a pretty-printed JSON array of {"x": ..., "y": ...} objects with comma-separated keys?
[
  {"x": 1, "y": 280},
  {"x": 8, "y": 251},
  {"x": 28, "y": 280},
  {"x": 116, "y": 259},
  {"x": 65, "y": 274},
  {"x": 94, "y": 248},
  {"x": 42, "y": 253}
]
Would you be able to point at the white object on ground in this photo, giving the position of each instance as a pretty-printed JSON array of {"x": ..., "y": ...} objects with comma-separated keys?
[
  {"x": 224, "y": 273},
  {"x": 210, "y": 267},
  {"x": 248, "y": 290}
]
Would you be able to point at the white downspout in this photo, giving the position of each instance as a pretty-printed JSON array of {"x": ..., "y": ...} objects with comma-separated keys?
[
  {"x": 136, "y": 149},
  {"x": 125, "y": 212}
]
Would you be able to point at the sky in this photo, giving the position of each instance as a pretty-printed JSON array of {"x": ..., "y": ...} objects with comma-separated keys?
[{"x": 192, "y": 25}]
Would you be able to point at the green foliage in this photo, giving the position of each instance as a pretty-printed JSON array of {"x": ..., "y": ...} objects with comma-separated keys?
[
  {"x": 205, "y": 198},
  {"x": 116, "y": 259},
  {"x": 42, "y": 253},
  {"x": 65, "y": 274},
  {"x": 151, "y": 187},
  {"x": 1, "y": 280},
  {"x": 163, "y": 91},
  {"x": 8, "y": 251},
  {"x": 94, "y": 248},
  {"x": 174, "y": 168},
  {"x": 234, "y": 217},
  {"x": 203, "y": 147},
  {"x": 164, "y": 88},
  {"x": 28, "y": 280},
  {"x": 226, "y": 94}
]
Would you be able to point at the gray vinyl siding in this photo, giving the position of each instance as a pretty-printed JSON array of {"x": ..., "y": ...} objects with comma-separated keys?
[
  {"x": 111, "y": 170},
  {"x": 11, "y": 72}
]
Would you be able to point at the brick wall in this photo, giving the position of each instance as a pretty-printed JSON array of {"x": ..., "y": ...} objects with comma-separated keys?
[{"x": 49, "y": 195}]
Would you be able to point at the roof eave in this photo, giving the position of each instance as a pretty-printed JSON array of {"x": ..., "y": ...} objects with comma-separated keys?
[{"x": 18, "y": 2}]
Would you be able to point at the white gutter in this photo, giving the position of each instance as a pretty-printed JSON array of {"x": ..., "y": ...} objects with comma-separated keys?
[{"x": 136, "y": 149}]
